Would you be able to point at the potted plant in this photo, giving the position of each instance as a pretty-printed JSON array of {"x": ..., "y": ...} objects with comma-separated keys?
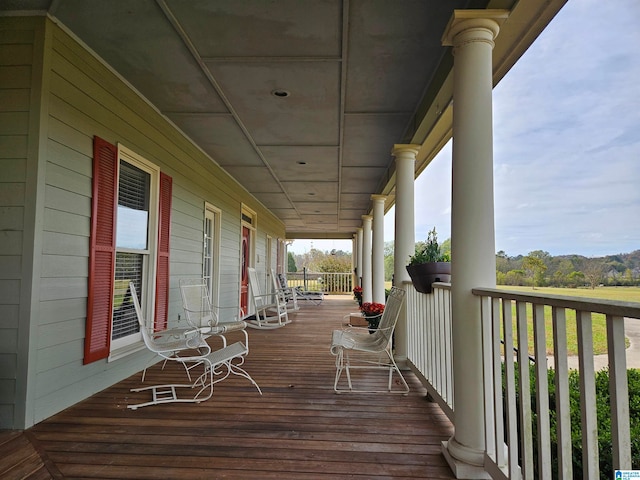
[
  {"x": 429, "y": 264},
  {"x": 357, "y": 295},
  {"x": 372, "y": 312}
]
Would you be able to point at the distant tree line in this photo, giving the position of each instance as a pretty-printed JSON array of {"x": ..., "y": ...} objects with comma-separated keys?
[
  {"x": 540, "y": 269},
  {"x": 536, "y": 269},
  {"x": 334, "y": 261}
]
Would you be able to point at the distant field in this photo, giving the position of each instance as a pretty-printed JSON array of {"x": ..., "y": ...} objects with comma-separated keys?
[{"x": 622, "y": 294}]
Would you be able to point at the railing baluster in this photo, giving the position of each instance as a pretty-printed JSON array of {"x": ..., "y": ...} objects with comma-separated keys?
[
  {"x": 542, "y": 392},
  {"x": 438, "y": 319},
  {"x": 619, "y": 393},
  {"x": 496, "y": 346},
  {"x": 510, "y": 389},
  {"x": 563, "y": 413},
  {"x": 526, "y": 433},
  {"x": 488, "y": 364},
  {"x": 588, "y": 396},
  {"x": 448, "y": 346}
]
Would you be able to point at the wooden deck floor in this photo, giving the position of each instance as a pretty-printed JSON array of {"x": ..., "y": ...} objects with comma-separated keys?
[{"x": 298, "y": 429}]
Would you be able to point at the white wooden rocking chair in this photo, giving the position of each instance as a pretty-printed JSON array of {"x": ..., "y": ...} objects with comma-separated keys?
[
  {"x": 356, "y": 348},
  {"x": 270, "y": 308},
  {"x": 288, "y": 293}
]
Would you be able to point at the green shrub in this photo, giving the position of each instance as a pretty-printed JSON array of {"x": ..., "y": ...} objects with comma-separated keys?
[{"x": 603, "y": 415}]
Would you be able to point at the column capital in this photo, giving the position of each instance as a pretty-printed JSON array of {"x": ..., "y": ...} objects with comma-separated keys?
[
  {"x": 379, "y": 198},
  {"x": 367, "y": 218},
  {"x": 478, "y": 21},
  {"x": 401, "y": 149}
]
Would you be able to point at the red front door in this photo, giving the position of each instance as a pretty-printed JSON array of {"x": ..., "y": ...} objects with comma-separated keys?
[{"x": 244, "y": 277}]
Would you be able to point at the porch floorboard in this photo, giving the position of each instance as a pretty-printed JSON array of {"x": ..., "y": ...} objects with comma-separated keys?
[{"x": 298, "y": 429}]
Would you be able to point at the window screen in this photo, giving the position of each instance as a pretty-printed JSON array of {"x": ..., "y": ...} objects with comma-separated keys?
[{"x": 131, "y": 234}]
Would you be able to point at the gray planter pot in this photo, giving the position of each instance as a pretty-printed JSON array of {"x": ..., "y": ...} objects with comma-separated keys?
[{"x": 425, "y": 274}]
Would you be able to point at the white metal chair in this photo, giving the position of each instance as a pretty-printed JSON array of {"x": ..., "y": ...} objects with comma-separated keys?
[
  {"x": 189, "y": 352},
  {"x": 355, "y": 348},
  {"x": 270, "y": 308},
  {"x": 201, "y": 315},
  {"x": 187, "y": 335}
]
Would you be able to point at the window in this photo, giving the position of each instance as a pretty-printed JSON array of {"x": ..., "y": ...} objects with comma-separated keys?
[
  {"x": 130, "y": 223},
  {"x": 211, "y": 250},
  {"x": 135, "y": 222}
]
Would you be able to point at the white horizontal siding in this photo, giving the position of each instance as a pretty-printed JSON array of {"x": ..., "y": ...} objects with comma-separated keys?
[
  {"x": 16, "y": 45},
  {"x": 87, "y": 99}
]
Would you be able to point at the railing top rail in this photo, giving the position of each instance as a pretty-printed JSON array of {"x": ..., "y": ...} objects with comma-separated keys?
[
  {"x": 607, "y": 307},
  {"x": 442, "y": 285}
]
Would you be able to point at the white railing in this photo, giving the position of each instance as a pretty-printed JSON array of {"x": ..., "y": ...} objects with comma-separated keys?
[
  {"x": 520, "y": 433},
  {"x": 321, "y": 281},
  {"x": 516, "y": 428},
  {"x": 429, "y": 342}
]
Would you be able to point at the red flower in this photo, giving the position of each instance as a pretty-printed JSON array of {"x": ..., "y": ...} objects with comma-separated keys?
[
  {"x": 371, "y": 308},
  {"x": 357, "y": 294}
]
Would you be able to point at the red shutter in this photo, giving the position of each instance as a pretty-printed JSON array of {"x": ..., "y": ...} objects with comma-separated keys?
[
  {"x": 102, "y": 252},
  {"x": 164, "y": 234}
]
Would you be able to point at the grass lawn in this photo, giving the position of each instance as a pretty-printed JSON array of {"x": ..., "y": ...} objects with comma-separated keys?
[{"x": 625, "y": 294}]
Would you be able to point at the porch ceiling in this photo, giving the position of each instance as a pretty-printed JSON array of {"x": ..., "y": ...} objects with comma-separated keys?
[{"x": 361, "y": 75}]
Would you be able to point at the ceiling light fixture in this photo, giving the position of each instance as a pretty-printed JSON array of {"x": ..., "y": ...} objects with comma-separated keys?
[
  {"x": 301, "y": 162},
  {"x": 280, "y": 93}
]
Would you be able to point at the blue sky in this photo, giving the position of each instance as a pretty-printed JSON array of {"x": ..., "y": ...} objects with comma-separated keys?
[{"x": 566, "y": 143}]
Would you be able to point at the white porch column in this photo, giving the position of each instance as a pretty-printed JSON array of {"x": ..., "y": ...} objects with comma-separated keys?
[
  {"x": 367, "y": 285},
  {"x": 404, "y": 235},
  {"x": 377, "y": 249},
  {"x": 471, "y": 32},
  {"x": 359, "y": 258}
]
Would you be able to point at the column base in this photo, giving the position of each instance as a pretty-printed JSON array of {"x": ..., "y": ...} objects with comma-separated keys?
[
  {"x": 402, "y": 362},
  {"x": 460, "y": 468}
]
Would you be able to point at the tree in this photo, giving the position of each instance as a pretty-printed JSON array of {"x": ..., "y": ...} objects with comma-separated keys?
[
  {"x": 333, "y": 263},
  {"x": 445, "y": 248},
  {"x": 388, "y": 260},
  {"x": 593, "y": 270},
  {"x": 575, "y": 279},
  {"x": 563, "y": 270},
  {"x": 535, "y": 267},
  {"x": 514, "y": 277},
  {"x": 291, "y": 262},
  {"x": 502, "y": 262}
]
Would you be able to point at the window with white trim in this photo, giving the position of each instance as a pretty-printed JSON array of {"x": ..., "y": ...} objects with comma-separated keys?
[{"x": 136, "y": 234}]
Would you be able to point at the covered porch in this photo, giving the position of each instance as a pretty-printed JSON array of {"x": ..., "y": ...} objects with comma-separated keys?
[{"x": 298, "y": 429}]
